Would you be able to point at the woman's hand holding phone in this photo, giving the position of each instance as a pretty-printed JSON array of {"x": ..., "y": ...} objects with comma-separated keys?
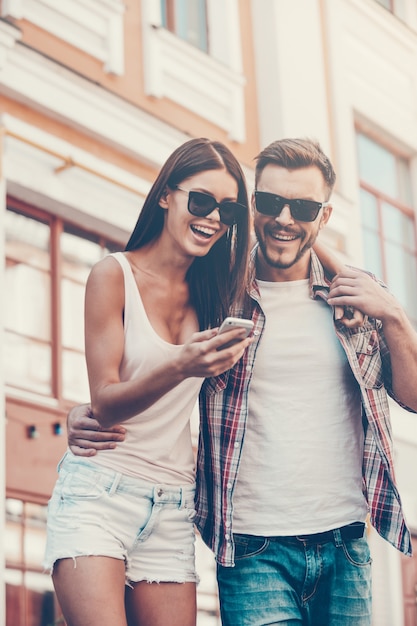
[
  {"x": 211, "y": 352},
  {"x": 232, "y": 323}
]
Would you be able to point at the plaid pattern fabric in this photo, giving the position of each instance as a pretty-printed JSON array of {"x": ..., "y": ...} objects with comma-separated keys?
[{"x": 223, "y": 414}]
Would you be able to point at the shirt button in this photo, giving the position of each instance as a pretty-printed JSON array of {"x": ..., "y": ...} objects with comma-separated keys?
[
  {"x": 227, "y": 536},
  {"x": 227, "y": 524},
  {"x": 248, "y": 368},
  {"x": 256, "y": 333},
  {"x": 229, "y": 485},
  {"x": 369, "y": 348},
  {"x": 237, "y": 444}
]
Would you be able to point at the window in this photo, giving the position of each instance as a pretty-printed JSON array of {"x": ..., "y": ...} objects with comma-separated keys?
[
  {"x": 47, "y": 264},
  {"x": 187, "y": 19},
  {"x": 30, "y": 598},
  {"x": 397, "y": 7},
  {"x": 388, "y": 220},
  {"x": 192, "y": 55}
]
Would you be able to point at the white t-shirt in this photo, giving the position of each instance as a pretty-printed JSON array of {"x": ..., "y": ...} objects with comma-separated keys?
[{"x": 301, "y": 464}]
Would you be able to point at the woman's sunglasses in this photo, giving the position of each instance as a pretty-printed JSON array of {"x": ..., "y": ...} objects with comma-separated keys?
[
  {"x": 301, "y": 210},
  {"x": 202, "y": 204}
]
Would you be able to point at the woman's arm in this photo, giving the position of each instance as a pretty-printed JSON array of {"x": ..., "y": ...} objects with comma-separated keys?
[{"x": 113, "y": 400}]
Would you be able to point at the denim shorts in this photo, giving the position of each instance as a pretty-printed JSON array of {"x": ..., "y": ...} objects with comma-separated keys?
[{"x": 95, "y": 511}]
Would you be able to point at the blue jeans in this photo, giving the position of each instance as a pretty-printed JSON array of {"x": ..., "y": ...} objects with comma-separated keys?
[{"x": 294, "y": 582}]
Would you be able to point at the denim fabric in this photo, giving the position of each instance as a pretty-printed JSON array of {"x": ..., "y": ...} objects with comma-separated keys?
[
  {"x": 294, "y": 582},
  {"x": 95, "y": 511}
]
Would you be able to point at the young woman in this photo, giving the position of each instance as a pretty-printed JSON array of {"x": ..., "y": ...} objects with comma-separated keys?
[{"x": 123, "y": 520}]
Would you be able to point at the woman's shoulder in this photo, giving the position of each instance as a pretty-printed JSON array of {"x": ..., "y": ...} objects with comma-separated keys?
[{"x": 107, "y": 270}]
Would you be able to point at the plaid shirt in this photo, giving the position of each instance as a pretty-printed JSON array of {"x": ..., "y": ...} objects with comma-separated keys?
[{"x": 223, "y": 415}]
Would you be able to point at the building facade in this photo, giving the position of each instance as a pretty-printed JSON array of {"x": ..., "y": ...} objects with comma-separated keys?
[{"x": 94, "y": 95}]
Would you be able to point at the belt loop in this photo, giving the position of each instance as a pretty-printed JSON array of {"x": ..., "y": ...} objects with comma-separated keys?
[
  {"x": 337, "y": 537},
  {"x": 181, "y": 499},
  {"x": 115, "y": 483}
]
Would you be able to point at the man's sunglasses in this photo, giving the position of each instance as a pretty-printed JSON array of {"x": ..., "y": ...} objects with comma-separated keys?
[
  {"x": 202, "y": 204},
  {"x": 301, "y": 210}
]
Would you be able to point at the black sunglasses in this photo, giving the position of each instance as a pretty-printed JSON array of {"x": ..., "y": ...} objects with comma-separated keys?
[
  {"x": 301, "y": 210},
  {"x": 202, "y": 204}
]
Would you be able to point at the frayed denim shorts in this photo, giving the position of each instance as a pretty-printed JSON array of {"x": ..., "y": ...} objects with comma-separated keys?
[{"x": 95, "y": 511}]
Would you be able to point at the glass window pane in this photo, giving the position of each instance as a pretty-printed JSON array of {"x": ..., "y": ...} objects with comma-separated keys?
[
  {"x": 404, "y": 182},
  {"x": 80, "y": 251},
  {"x": 372, "y": 253},
  {"x": 190, "y": 20},
  {"x": 78, "y": 257},
  {"x": 72, "y": 295},
  {"x": 402, "y": 277},
  {"x": 377, "y": 166},
  {"x": 35, "y": 541},
  {"x": 164, "y": 19},
  {"x": 75, "y": 379},
  {"x": 28, "y": 364},
  {"x": 28, "y": 304},
  {"x": 13, "y": 542},
  {"x": 27, "y": 240},
  {"x": 14, "y": 508},
  {"x": 27, "y": 309},
  {"x": 369, "y": 210},
  {"x": 397, "y": 227}
]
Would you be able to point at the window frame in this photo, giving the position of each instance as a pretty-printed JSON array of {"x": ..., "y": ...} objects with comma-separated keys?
[
  {"x": 382, "y": 198},
  {"x": 57, "y": 226}
]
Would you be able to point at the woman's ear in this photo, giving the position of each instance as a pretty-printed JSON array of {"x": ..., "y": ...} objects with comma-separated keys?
[{"x": 163, "y": 200}]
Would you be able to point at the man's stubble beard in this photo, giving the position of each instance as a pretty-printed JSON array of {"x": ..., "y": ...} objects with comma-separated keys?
[{"x": 309, "y": 243}]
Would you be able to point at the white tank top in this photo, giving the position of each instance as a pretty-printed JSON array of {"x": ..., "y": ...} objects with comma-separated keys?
[
  {"x": 304, "y": 423},
  {"x": 157, "y": 447}
]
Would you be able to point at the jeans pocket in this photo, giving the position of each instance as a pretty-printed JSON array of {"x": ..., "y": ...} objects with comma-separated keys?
[
  {"x": 249, "y": 545},
  {"x": 357, "y": 552}
]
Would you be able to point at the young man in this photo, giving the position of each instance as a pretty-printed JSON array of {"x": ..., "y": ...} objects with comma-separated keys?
[{"x": 295, "y": 442}]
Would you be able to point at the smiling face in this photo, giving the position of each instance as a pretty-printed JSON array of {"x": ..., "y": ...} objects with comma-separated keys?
[
  {"x": 196, "y": 235},
  {"x": 285, "y": 243}
]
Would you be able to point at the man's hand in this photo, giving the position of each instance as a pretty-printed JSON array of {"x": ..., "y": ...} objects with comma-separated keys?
[
  {"x": 351, "y": 318},
  {"x": 356, "y": 290},
  {"x": 86, "y": 436}
]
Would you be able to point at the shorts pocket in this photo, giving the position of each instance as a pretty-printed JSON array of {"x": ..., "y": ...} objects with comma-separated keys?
[
  {"x": 80, "y": 485},
  {"x": 249, "y": 545}
]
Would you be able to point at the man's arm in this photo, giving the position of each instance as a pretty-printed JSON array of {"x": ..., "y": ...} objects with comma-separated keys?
[
  {"x": 86, "y": 436},
  {"x": 358, "y": 289}
]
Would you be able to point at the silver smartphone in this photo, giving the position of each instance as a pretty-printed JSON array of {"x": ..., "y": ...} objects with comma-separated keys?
[{"x": 236, "y": 322}]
